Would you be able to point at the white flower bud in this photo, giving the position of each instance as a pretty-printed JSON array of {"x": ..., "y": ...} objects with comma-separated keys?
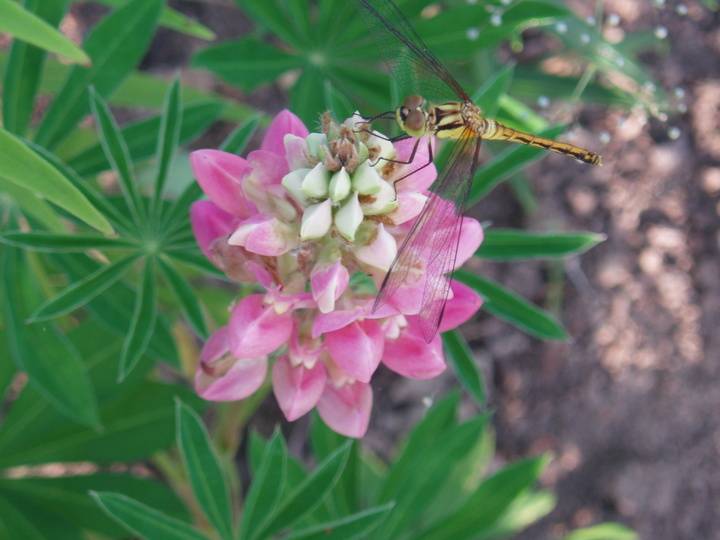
[
  {"x": 340, "y": 185},
  {"x": 349, "y": 218},
  {"x": 366, "y": 180},
  {"x": 316, "y": 220},
  {"x": 315, "y": 184},
  {"x": 381, "y": 252},
  {"x": 292, "y": 182},
  {"x": 385, "y": 201},
  {"x": 315, "y": 141}
]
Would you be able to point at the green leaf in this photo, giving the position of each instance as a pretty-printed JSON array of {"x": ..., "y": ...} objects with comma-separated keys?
[
  {"x": 505, "y": 165},
  {"x": 24, "y": 25},
  {"x": 177, "y": 215},
  {"x": 142, "y": 520},
  {"x": 81, "y": 292},
  {"x": 246, "y": 62},
  {"x": 142, "y": 323},
  {"x": 19, "y": 164},
  {"x": 186, "y": 296},
  {"x": 508, "y": 244},
  {"x": 174, "y": 20},
  {"x": 117, "y": 154},
  {"x": 418, "y": 492},
  {"x": 31, "y": 204},
  {"x": 488, "y": 502},
  {"x": 437, "y": 420},
  {"x": 115, "y": 46},
  {"x": 271, "y": 15},
  {"x": 36, "y": 349},
  {"x": 236, "y": 142},
  {"x": 169, "y": 137},
  {"x": 604, "y": 531},
  {"x": 266, "y": 487},
  {"x": 336, "y": 102},
  {"x": 142, "y": 136},
  {"x": 66, "y": 499},
  {"x": 358, "y": 525},
  {"x": 13, "y": 524},
  {"x": 488, "y": 96},
  {"x": 24, "y": 70},
  {"x": 62, "y": 243},
  {"x": 510, "y": 307},
  {"x": 204, "y": 469},
  {"x": 525, "y": 510},
  {"x": 98, "y": 199},
  {"x": 308, "y": 495},
  {"x": 463, "y": 363}
]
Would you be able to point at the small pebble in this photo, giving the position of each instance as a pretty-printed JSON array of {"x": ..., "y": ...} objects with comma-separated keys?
[
  {"x": 604, "y": 137},
  {"x": 561, "y": 27},
  {"x": 585, "y": 38},
  {"x": 543, "y": 102},
  {"x": 496, "y": 19},
  {"x": 591, "y": 20},
  {"x": 674, "y": 133},
  {"x": 661, "y": 32},
  {"x": 472, "y": 33},
  {"x": 681, "y": 9},
  {"x": 679, "y": 92},
  {"x": 613, "y": 19}
]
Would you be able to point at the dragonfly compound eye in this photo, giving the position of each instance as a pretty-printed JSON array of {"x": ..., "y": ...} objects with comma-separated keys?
[
  {"x": 414, "y": 102},
  {"x": 415, "y": 120}
]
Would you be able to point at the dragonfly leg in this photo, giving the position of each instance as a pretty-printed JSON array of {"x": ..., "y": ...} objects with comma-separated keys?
[
  {"x": 420, "y": 168},
  {"x": 412, "y": 154}
]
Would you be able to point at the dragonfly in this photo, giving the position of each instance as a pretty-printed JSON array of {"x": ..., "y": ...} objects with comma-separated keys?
[{"x": 445, "y": 111}]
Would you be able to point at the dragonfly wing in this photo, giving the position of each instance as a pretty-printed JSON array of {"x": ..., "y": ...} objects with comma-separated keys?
[
  {"x": 413, "y": 65},
  {"x": 427, "y": 256}
]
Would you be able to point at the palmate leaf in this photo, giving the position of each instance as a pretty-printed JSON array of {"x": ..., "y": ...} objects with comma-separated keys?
[
  {"x": 35, "y": 350},
  {"x": 604, "y": 531},
  {"x": 508, "y": 244},
  {"x": 267, "y": 486},
  {"x": 168, "y": 140},
  {"x": 116, "y": 151},
  {"x": 488, "y": 502},
  {"x": 26, "y": 26},
  {"x": 142, "y": 323},
  {"x": 24, "y": 70},
  {"x": 62, "y": 243},
  {"x": 66, "y": 498},
  {"x": 143, "y": 520},
  {"x": 13, "y": 524},
  {"x": 81, "y": 292},
  {"x": 358, "y": 525},
  {"x": 186, "y": 296},
  {"x": 115, "y": 46},
  {"x": 32, "y": 205},
  {"x": 141, "y": 138},
  {"x": 308, "y": 495},
  {"x": 19, "y": 164},
  {"x": 204, "y": 469},
  {"x": 510, "y": 307},
  {"x": 463, "y": 363},
  {"x": 238, "y": 139},
  {"x": 175, "y": 20}
]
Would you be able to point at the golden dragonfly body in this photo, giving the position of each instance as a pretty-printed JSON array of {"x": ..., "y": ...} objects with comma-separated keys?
[{"x": 459, "y": 119}]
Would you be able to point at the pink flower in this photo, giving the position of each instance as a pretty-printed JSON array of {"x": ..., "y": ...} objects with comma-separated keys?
[
  {"x": 316, "y": 224},
  {"x": 328, "y": 282},
  {"x": 224, "y": 377}
]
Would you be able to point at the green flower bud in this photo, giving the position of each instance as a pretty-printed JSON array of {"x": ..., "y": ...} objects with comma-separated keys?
[
  {"x": 366, "y": 180},
  {"x": 316, "y": 220}
]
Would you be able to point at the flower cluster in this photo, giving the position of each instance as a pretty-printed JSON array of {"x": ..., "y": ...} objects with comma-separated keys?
[{"x": 316, "y": 221}]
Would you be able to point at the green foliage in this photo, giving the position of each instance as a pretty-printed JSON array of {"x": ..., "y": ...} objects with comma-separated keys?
[{"x": 80, "y": 307}]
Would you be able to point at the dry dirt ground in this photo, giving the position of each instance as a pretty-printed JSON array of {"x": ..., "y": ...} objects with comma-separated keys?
[{"x": 631, "y": 407}]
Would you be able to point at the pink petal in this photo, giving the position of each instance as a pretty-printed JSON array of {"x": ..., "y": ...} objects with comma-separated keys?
[
  {"x": 267, "y": 166},
  {"x": 471, "y": 236},
  {"x": 462, "y": 306},
  {"x": 410, "y": 356},
  {"x": 296, "y": 149},
  {"x": 210, "y": 222},
  {"x": 256, "y": 329},
  {"x": 410, "y": 204},
  {"x": 420, "y": 180},
  {"x": 297, "y": 389},
  {"x": 335, "y": 320},
  {"x": 221, "y": 377},
  {"x": 328, "y": 283},
  {"x": 346, "y": 410},
  {"x": 221, "y": 175},
  {"x": 264, "y": 235},
  {"x": 357, "y": 348},
  {"x": 285, "y": 122}
]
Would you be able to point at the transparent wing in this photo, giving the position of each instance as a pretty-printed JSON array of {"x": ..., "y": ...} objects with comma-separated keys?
[
  {"x": 428, "y": 253},
  {"x": 413, "y": 66}
]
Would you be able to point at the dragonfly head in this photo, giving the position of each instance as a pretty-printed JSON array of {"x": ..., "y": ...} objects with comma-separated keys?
[{"x": 412, "y": 116}]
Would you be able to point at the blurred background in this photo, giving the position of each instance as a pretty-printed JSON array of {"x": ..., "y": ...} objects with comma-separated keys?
[{"x": 629, "y": 407}]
